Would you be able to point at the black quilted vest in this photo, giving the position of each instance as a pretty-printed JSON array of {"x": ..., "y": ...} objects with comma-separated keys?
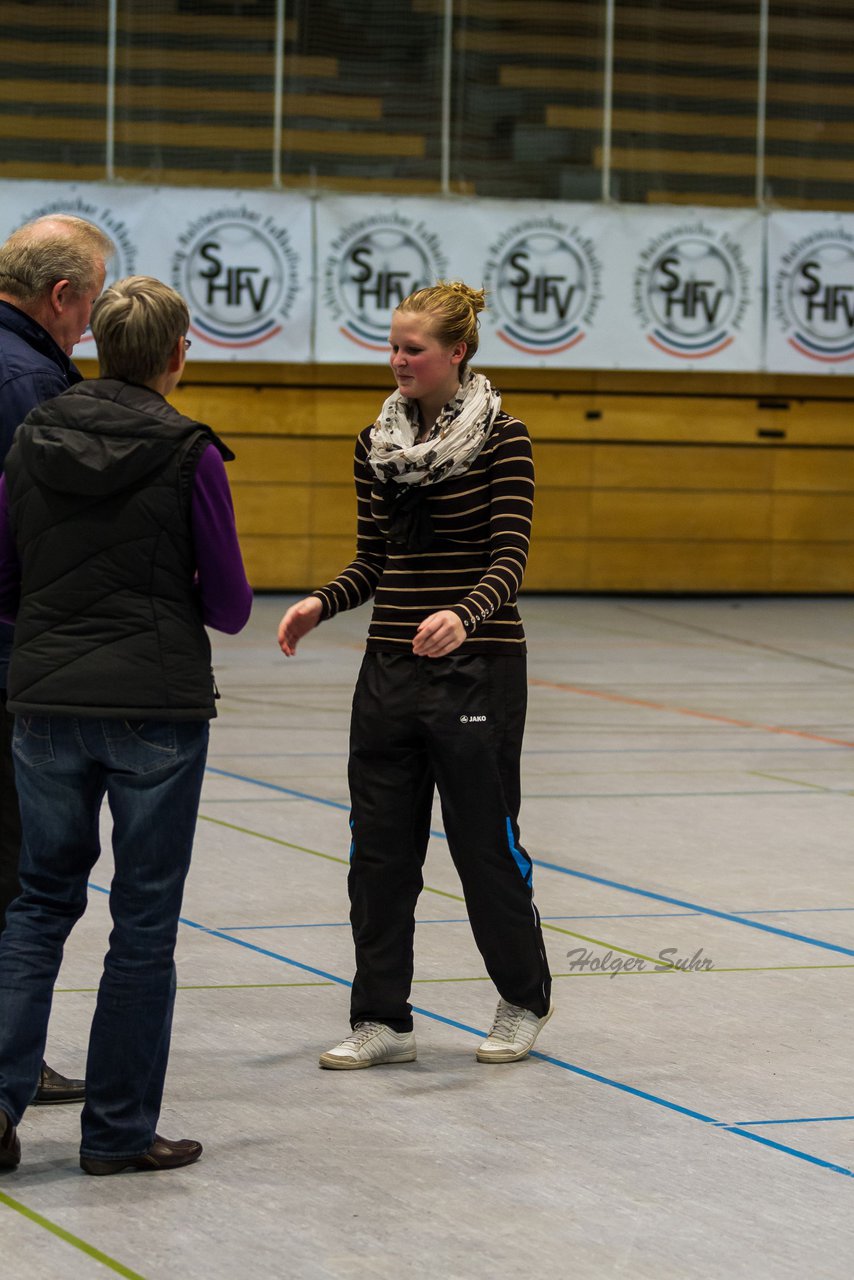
[{"x": 100, "y": 483}]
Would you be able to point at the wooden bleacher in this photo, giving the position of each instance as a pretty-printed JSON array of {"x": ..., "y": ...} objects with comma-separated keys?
[
  {"x": 194, "y": 104},
  {"x": 190, "y": 107},
  {"x": 678, "y": 77},
  {"x": 725, "y": 490}
]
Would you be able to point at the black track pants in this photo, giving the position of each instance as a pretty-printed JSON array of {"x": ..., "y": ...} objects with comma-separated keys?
[{"x": 455, "y": 723}]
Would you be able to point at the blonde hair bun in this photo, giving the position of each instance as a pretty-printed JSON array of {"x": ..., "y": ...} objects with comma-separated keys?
[{"x": 475, "y": 297}]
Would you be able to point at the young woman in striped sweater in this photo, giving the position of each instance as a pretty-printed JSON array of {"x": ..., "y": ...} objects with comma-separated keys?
[{"x": 445, "y": 488}]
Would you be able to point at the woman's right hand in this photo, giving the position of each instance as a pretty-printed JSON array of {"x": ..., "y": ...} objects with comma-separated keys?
[{"x": 301, "y": 618}]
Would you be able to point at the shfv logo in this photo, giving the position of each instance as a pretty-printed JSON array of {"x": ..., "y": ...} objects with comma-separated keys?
[
  {"x": 691, "y": 291},
  {"x": 814, "y": 296},
  {"x": 372, "y": 266},
  {"x": 544, "y": 280},
  {"x": 239, "y": 273}
]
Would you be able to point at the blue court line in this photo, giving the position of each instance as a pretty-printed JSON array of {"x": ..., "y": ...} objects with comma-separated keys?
[
  {"x": 693, "y": 906},
  {"x": 822, "y": 791},
  {"x": 256, "y": 928},
  {"x": 561, "y": 750},
  {"x": 813, "y": 790},
  {"x": 288, "y": 791},
  {"x": 586, "y": 875},
  {"x": 748, "y": 1124},
  {"x": 321, "y": 755},
  {"x": 676, "y": 750},
  {"x": 682, "y": 915},
  {"x": 553, "y": 751},
  {"x": 261, "y": 951},
  {"x": 638, "y": 915},
  {"x": 557, "y": 1062},
  {"x": 792, "y": 1151},
  {"x": 543, "y": 1057},
  {"x": 791, "y": 911}
]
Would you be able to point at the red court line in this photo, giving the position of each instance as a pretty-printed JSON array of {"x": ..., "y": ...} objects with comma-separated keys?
[{"x": 690, "y": 711}]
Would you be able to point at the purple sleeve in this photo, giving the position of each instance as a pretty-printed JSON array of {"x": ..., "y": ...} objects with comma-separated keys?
[
  {"x": 224, "y": 593},
  {"x": 10, "y": 565}
]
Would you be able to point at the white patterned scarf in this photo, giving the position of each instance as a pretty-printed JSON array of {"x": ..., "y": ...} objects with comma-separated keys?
[{"x": 455, "y": 440}]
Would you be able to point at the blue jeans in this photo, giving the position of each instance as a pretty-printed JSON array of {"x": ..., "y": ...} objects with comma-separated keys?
[{"x": 151, "y": 773}]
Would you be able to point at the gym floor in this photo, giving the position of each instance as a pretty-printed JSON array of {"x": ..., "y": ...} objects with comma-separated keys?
[{"x": 688, "y": 1112}]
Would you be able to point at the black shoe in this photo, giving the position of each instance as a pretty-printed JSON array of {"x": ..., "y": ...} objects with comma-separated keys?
[
  {"x": 55, "y": 1088},
  {"x": 162, "y": 1154},
  {"x": 10, "y": 1147}
]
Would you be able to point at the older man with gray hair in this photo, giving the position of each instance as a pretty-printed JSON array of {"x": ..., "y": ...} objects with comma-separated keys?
[{"x": 51, "y": 272}]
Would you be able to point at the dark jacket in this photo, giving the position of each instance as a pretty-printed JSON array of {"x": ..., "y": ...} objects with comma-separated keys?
[
  {"x": 99, "y": 484},
  {"x": 32, "y": 369}
]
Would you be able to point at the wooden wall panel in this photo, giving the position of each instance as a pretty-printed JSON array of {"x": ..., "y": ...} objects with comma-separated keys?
[
  {"x": 692, "y": 516},
  {"x": 262, "y": 459},
  {"x": 815, "y": 470},
  {"x": 558, "y": 564},
  {"x": 564, "y": 465},
  {"x": 813, "y": 517},
  {"x": 747, "y": 487},
  {"x": 277, "y": 563},
  {"x": 682, "y": 468},
  {"x": 333, "y": 513},
  {"x": 805, "y": 568},
  {"x": 279, "y": 411},
  {"x": 265, "y": 459},
  {"x": 561, "y": 513},
  {"x": 679, "y": 566},
  {"x": 272, "y": 509},
  {"x": 328, "y": 557}
]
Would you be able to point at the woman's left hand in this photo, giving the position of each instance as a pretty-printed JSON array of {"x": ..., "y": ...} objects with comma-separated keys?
[{"x": 441, "y": 633}]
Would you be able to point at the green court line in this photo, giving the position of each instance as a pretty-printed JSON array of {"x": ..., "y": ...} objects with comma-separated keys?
[
  {"x": 442, "y": 893},
  {"x": 747, "y": 968},
  {"x": 478, "y": 977},
  {"x": 68, "y": 1238},
  {"x": 772, "y": 968},
  {"x": 251, "y": 986},
  {"x": 798, "y": 782},
  {"x": 260, "y": 835},
  {"x": 659, "y": 968}
]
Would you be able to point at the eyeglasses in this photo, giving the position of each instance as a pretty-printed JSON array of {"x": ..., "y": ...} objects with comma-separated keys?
[{"x": 187, "y": 344}]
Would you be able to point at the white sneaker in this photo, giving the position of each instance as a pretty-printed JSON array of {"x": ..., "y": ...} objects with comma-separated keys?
[
  {"x": 513, "y": 1033},
  {"x": 370, "y": 1044}
]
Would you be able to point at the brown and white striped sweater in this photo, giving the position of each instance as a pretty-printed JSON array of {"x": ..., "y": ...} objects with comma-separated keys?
[{"x": 482, "y": 524}]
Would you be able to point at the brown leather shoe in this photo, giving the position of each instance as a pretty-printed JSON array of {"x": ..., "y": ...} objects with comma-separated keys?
[
  {"x": 10, "y": 1147},
  {"x": 56, "y": 1088},
  {"x": 162, "y": 1154}
]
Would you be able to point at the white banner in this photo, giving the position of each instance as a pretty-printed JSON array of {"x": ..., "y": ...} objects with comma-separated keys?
[
  {"x": 685, "y": 290},
  {"x": 371, "y": 253},
  {"x": 546, "y": 270},
  {"x": 810, "y": 293},
  {"x": 274, "y": 276},
  {"x": 242, "y": 260},
  {"x": 540, "y": 265},
  {"x": 568, "y": 285}
]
